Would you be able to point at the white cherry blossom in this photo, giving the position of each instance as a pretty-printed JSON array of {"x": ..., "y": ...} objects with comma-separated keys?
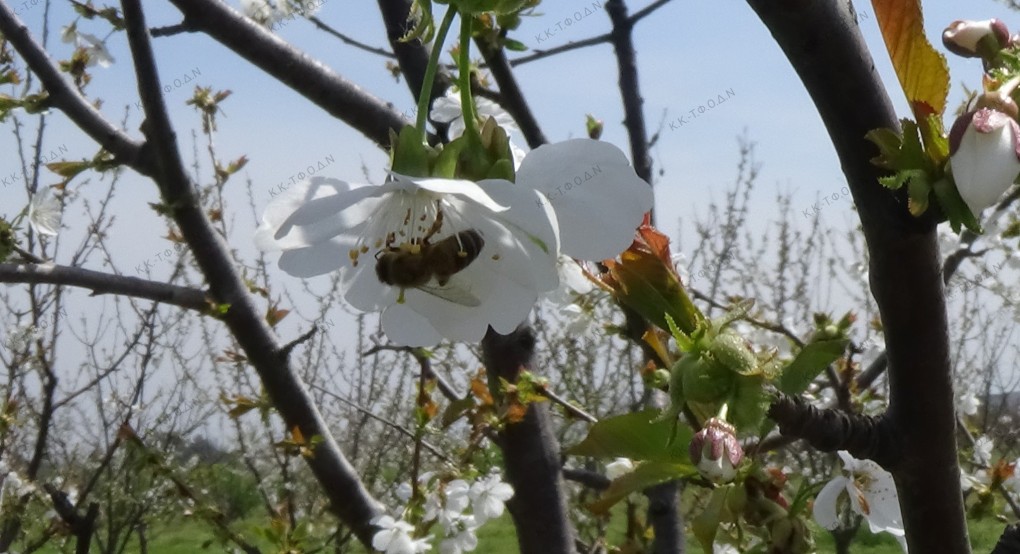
[
  {"x": 872, "y": 494},
  {"x": 394, "y": 537},
  {"x": 96, "y": 49},
  {"x": 488, "y": 496},
  {"x": 44, "y": 212},
  {"x": 582, "y": 190}
]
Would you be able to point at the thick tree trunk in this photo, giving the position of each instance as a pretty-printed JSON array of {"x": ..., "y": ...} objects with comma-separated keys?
[
  {"x": 531, "y": 454},
  {"x": 823, "y": 42}
]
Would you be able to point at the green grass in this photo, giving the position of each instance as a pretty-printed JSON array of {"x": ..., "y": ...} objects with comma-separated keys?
[{"x": 497, "y": 537}]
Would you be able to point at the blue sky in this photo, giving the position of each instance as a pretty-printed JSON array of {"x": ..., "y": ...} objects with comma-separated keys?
[{"x": 689, "y": 52}]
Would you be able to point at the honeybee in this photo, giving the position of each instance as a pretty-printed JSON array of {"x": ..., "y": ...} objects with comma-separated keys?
[{"x": 415, "y": 266}]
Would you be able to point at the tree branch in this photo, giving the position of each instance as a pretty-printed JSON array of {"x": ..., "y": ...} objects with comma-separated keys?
[
  {"x": 105, "y": 283},
  {"x": 530, "y": 453},
  {"x": 824, "y": 45},
  {"x": 65, "y": 97},
  {"x": 350, "y": 500},
  {"x": 630, "y": 88},
  {"x": 310, "y": 78}
]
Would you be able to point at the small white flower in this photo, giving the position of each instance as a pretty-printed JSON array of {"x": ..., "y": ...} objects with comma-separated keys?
[
  {"x": 403, "y": 491},
  {"x": 985, "y": 159},
  {"x": 44, "y": 212},
  {"x": 872, "y": 494},
  {"x": 619, "y": 467},
  {"x": 394, "y": 537},
  {"x": 457, "y": 496},
  {"x": 19, "y": 337},
  {"x": 460, "y": 536},
  {"x": 447, "y": 109},
  {"x": 968, "y": 403},
  {"x": 69, "y": 33},
  {"x": 488, "y": 497},
  {"x": 96, "y": 49},
  {"x": 983, "y": 451}
]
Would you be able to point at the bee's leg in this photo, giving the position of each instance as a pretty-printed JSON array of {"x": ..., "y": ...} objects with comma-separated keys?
[{"x": 437, "y": 225}]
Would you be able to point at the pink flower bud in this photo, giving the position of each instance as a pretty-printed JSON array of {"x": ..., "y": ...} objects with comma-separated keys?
[
  {"x": 984, "y": 148},
  {"x": 716, "y": 452},
  {"x": 962, "y": 37}
]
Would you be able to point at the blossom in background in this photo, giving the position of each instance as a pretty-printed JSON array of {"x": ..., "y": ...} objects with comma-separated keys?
[
  {"x": 983, "y": 447},
  {"x": 488, "y": 496},
  {"x": 447, "y": 109},
  {"x": 985, "y": 156},
  {"x": 872, "y": 494},
  {"x": 460, "y": 536},
  {"x": 44, "y": 212},
  {"x": 268, "y": 12},
  {"x": 18, "y": 337},
  {"x": 93, "y": 46},
  {"x": 619, "y": 467},
  {"x": 394, "y": 537},
  {"x": 578, "y": 197}
]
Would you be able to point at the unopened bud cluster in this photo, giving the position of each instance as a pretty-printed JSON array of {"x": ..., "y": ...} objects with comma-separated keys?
[{"x": 985, "y": 141}]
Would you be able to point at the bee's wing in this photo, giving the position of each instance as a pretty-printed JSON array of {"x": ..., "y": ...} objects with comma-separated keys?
[{"x": 451, "y": 292}]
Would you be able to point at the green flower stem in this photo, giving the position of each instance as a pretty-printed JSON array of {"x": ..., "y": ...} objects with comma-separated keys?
[
  {"x": 430, "y": 72},
  {"x": 464, "y": 66}
]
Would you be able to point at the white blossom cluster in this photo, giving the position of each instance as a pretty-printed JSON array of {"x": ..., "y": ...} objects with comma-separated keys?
[{"x": 458, "y": 508}]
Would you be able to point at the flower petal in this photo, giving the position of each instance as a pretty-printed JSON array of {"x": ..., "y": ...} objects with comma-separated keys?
[
  {"x": 407, "y": 327},
  {"x": 467, "y": 189},
  {"x": 318, "y": 259},
  {"x": 599, "y": 200},
  {"x": 306, "y": 213},
  {"x": 825, "y": 503}
]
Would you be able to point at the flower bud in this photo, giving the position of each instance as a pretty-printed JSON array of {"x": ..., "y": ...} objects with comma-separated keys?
[
  {"x": 984, "y": 148},
  {"x": 964, "y": 38},
  {"x": 716, "y": 452}
]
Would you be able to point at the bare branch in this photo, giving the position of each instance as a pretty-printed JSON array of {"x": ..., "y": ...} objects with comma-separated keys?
[
  {"x": 309, "y": 77},
  {"x": 105, "y": 283}
]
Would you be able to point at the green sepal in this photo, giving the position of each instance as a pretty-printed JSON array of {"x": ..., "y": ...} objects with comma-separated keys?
[
  {"x": 502, "y": 169},
  {"x": 748, "y": 403},
  {"x": 445, "y": 165},
  {"x": 953, "y": 206},
  {"x": 706, "y": 380},
  {"x": 410, "y": 154}
]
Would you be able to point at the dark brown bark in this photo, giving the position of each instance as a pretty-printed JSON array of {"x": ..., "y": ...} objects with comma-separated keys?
[
  {"x": 824, "y": 45},
  {"x": 530, "y": 453}
]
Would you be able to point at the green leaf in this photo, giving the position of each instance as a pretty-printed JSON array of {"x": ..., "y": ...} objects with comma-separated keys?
[
  {"x": 810, "y": 361},
  {"x": 514, "y": 45},
  {"x": 953, "y": 206},
  {"x": 646, "y": 474},
  {"x": 706, "y": 523},
  {"x": 637, "y": 437}
]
